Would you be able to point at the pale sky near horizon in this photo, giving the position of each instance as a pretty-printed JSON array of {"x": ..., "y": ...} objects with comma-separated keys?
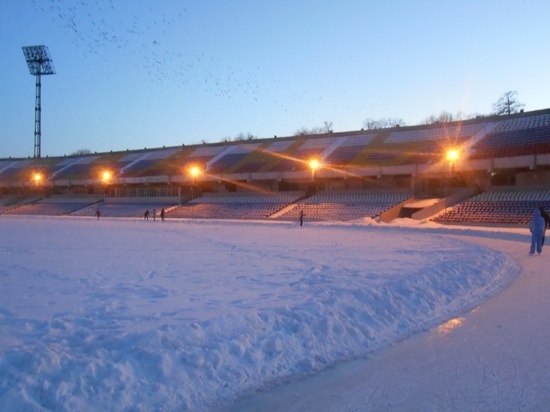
[{"x": 135, "y": 74}]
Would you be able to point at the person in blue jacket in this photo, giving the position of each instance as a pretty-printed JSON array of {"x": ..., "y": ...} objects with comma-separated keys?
[
  {"x": 537, "y": 226},
  {"x": 546, "y": 218}
]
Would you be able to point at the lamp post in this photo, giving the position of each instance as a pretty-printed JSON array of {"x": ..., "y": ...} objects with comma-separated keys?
[
  {"x": 194, "y": 172},
  {"x": 37, "y": 181},
  {"x": 37, "y": 178},
  {"x": 314, "y": 165},
  {"x": 452, "y": 157},
  {"x": 40, "y": 63},
  {"x": 106, "y": 177}
]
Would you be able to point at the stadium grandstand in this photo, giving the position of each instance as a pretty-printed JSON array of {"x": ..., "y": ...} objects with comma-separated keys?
[{"x": 488, "y": 170}]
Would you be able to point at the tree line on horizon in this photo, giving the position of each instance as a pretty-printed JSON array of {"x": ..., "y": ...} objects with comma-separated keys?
[{"x": 507, "y": 104}]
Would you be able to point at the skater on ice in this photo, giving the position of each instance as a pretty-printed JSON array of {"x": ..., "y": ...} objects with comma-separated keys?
[
  {"x": 537, "y": 226},
  {"x": 546, "y": 218}
]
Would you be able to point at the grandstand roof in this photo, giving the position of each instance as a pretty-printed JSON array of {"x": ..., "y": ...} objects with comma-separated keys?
[{"x": 526, "y": 133}]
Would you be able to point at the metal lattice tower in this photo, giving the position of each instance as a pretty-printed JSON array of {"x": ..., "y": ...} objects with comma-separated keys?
[{"x": 40, "y": 63}]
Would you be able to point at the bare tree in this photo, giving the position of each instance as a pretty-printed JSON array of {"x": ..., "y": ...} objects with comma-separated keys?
[
  {"x": 476, "y": 116},
  {"x": 443, "y": 117},
  {"x": 383, "y": 123},
  {"x": 446, "y": 117},
  {"x": 244, "y": 136},
  {"x": 325, "y": 128},
  {"x": 302, "y": 131},
  {"x": 508, "y": 104},
  {"x": 80, "y": 152}
]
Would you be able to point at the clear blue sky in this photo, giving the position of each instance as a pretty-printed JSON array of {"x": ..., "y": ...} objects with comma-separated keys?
[{"x": 134, "y": 74}]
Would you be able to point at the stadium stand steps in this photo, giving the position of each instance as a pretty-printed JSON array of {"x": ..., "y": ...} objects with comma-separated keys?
[{"x": 509, "y": 208}]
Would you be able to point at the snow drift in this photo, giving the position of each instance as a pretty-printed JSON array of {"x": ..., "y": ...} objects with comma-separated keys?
[{"x": 134, "y": 315}]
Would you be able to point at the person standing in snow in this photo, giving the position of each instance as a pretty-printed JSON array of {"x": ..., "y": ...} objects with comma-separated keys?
[
  {"x": 97, "y": 213},
  {"x": 301, "y": 217},
  {"x": 162, "y": 215},
  {"x": 546, "y": 218},
  {"x": 537, "y": 226},
  {"x": 146, "y": 215}
]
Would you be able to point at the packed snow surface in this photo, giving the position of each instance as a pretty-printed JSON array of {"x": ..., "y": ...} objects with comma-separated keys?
[{"x": 184, "y": 315}]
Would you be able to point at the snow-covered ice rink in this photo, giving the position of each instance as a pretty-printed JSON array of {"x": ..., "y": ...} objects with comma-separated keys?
[{"x": 117, "y": 314}]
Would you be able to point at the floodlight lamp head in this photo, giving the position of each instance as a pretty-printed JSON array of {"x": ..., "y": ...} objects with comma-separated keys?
[
  {"x": 39, "y": 60},
  {"x": 194, "y": 171},
  {"x": 453, "y": 155},
  {"x": 314, "y": 164},
  {"x": 106, "y": 176},
  {"x": 37, "y": 177}
]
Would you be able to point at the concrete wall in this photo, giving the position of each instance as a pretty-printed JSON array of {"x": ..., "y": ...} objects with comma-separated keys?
[{"x": 449, "y": 201}]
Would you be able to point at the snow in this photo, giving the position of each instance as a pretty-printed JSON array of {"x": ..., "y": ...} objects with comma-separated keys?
[
  {"x": 493, "y": 358},
  {"x": 122, "y": 314}
]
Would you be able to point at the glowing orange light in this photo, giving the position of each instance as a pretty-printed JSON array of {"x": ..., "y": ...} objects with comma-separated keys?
[
  {"x": 37, "y": 177},
  {"x": 106, "y": 176},
  {"x": 314, "y": 164},
  {"x": 453, "y": 155},
  {"x": 194, "y": 171}
]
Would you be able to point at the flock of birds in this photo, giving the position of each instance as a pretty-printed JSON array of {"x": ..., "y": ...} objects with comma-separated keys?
[
  {"x": 146, "y": 36},
  {"x": 159, "y": 40}
]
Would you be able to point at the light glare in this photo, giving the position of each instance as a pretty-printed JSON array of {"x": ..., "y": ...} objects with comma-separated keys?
[
  {"x": 447, "y": 327},
  {"x": 452, "y": 155},
  {"x": 37, "y": 177},
  {"x": 106, "y": 176},
  {"x": 314, "y": 164},
  {"x": 194, "y": 171}
]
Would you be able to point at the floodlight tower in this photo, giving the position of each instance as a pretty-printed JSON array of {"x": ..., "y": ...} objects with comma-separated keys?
[{"x": 40, "y": 63}]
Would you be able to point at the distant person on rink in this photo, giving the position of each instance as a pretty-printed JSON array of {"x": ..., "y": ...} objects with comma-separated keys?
[
  {"x": 537, "y": 225},
  {"x": 97, "y": 213},
  {"x": 546, "y": 218},
  {"x": 154, "y": 214},
  {"x": 162, "y": 214},
  {"x": 146, "y": 215},
  {"x": 301, "y": 217}
]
